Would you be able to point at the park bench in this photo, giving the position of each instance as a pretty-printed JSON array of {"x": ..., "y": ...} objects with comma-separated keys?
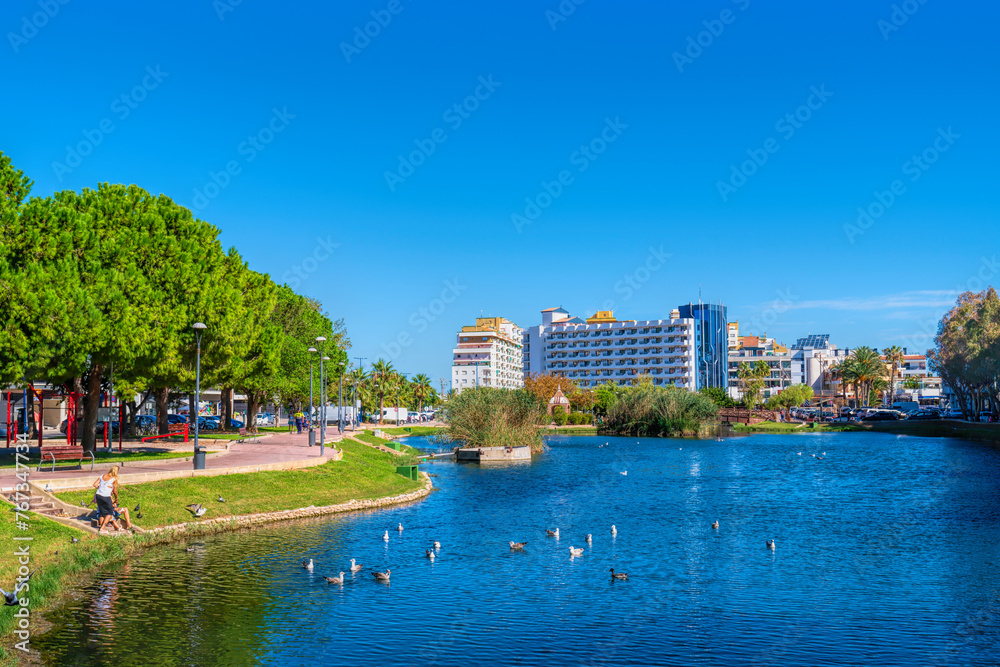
[
  {"x": 247, "y": 436},
  {"x": 64, "y": 453}
]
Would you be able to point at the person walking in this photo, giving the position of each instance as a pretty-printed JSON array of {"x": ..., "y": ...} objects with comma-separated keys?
[{"x": 107, "y": 500}]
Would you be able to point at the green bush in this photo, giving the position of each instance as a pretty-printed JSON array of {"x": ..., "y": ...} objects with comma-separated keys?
[
  {"x": 489, "y": 417},
  {"x": 578, "y": 418},
  {"x": 560, "y": 418},
  {"x": 657, "y": 411}
]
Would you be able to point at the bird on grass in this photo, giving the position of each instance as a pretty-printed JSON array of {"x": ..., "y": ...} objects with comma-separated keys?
[
  {"x": 138, "y": 515},
  {"x": 308, "y": 564},
  {"x": 335, "y": 580},
  {"x": 382, "y": 576},
  {"x": 10, "y": 599},
  {"x": 518, "y": 545},
  {"x": 221, "y": 499},
  {"x": 770, "y": 545},
  {"x": 575, "y": 552},
  {"x": 74, "y": 540},
  {"x": 356, "y": 567},
  {"x": 621, "y": 576},
  {"x": 82, "y": 502},
  {"x": 552, "y": 533},
  {"x": 715, "y": 524},
  {"x": 197, "y": 509},
  {"x": 136, "y": 507}
]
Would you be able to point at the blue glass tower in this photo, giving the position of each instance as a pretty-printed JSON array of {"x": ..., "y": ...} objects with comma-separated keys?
[{"x": 711, "y": 335}]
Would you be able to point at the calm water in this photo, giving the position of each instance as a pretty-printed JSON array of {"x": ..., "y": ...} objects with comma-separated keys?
[{"x": 887, "y": 553}]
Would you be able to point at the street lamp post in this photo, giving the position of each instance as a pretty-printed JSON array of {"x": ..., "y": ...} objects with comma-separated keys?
[
  {"x": 311, "y": 350},
  {"x": 357, "y": 418},
  {"x": 340, "y": 401},
  {"x": 199, "y": 329},
  {"x": 397, "y": 398},
  {"x": 326, "y": 400},
  {"x": 322, "y": 394}
]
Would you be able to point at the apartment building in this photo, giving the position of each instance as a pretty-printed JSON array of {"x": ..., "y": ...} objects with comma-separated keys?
[
  {"x": 750, "y": 350},
  {"x": 488, "y": 354},
  {"x": 604, "y": 349}
]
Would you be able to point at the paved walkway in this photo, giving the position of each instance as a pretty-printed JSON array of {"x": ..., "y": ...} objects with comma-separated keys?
[{"x": 273, "y": 448}]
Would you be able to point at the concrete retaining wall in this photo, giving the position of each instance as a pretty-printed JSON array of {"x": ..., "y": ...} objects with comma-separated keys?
[{"x": 494, "y": 454}]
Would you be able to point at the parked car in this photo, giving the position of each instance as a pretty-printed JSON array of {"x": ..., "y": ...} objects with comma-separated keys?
[
  {"x": 985, "y": 416},
  {"x": 881, "y": 416},
  {"x": 925, "y": 414},
  {"x": 176, "y": 419}
]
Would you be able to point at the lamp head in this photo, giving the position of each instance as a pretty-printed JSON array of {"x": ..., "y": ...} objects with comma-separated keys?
[
  {"x": 199, "y": 326},
  {"x": 320, "y": 339}
]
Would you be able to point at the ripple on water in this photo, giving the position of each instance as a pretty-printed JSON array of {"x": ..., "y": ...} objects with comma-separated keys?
[{"x": 886, "y": 553}]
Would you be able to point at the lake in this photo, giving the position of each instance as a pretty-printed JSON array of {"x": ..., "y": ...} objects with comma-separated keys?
[{"x": 887, "y": 551}]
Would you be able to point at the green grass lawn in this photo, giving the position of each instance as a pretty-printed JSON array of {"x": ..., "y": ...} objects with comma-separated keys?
[
  {"x": 102, "y": 458},
  {"x": 410, "y": 453},
  {"x": 415, "y": 430},
  {"x": 363, "y": 473}
]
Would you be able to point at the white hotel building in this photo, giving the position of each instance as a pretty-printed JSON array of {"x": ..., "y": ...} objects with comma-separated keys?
[
  {"x": 603, "y": 349},
  {"x": 488, "y": 355}
]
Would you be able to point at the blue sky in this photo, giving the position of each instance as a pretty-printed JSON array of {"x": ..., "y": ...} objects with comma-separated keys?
[{"x": 643, "y": 110}]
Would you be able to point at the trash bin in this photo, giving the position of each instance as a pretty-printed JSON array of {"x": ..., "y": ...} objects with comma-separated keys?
[
  {"x": 312, "y": 438},
  {"x": 199, "y": 459}
]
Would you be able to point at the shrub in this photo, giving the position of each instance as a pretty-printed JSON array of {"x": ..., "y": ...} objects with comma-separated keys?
[
  {"x": 655, "y": 411},
  {"x": 578, "y": 418},
  {"x": 489, "y": 417},
  {"x": 560, "y": 418}
]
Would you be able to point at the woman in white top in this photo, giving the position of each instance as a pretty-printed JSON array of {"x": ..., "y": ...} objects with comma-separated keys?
[{"x": 107, "y": 501}]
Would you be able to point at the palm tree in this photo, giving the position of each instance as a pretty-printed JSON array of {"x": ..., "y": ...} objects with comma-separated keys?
[
  {"x": 421, "y": 389},
  {"x": 895, "y": 358},
  {"x": 868, "y": 365},
  {"x": 381, "y": 374}
]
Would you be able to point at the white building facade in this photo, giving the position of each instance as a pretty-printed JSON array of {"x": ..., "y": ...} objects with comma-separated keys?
[
  {"x": 488, "y": 354},
  {"x": 603, "y": 349}
]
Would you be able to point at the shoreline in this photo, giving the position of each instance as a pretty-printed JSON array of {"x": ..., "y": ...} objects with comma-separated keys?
[{"x": 100, "y": 553}]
